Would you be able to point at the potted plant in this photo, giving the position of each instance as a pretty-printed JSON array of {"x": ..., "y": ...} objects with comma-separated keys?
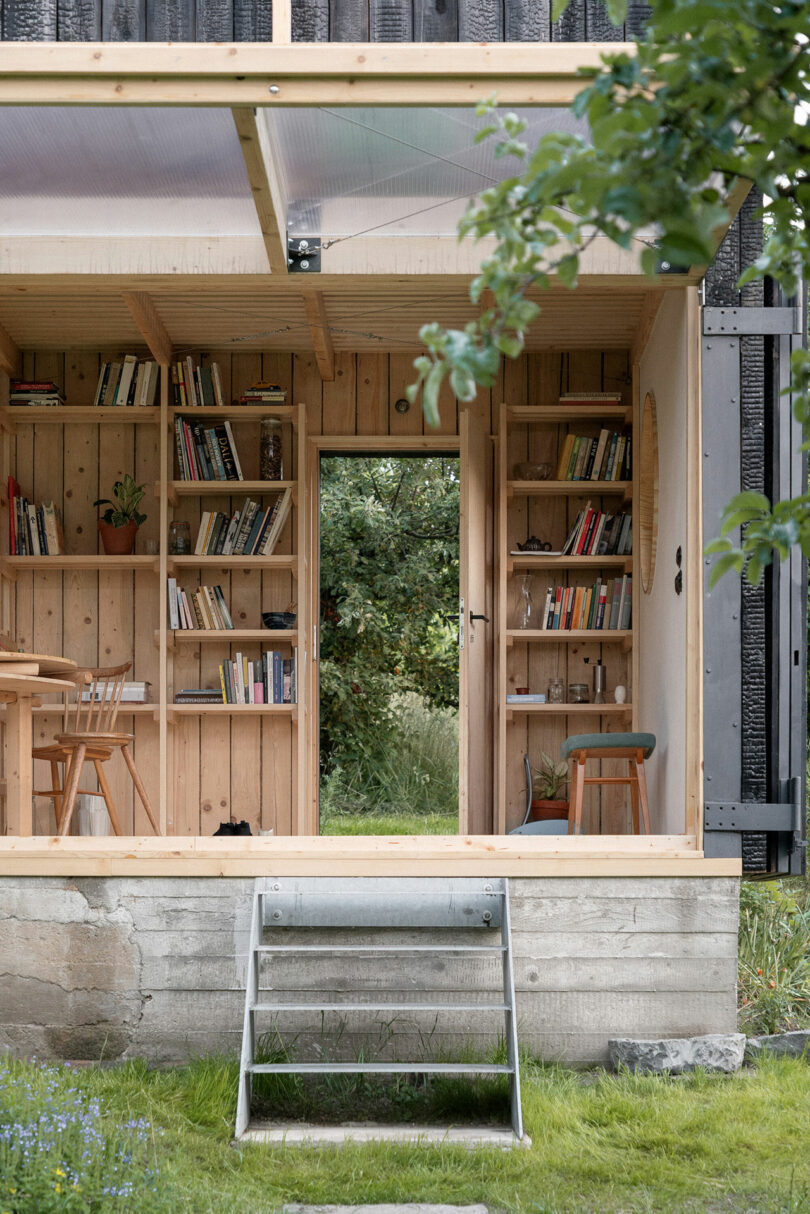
[
  {"x": 549, "y": 780},
  {"x": 121, "y": 520}
]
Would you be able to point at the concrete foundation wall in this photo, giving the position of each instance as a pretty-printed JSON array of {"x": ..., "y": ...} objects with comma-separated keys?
[{"x": 154, "y": 967}]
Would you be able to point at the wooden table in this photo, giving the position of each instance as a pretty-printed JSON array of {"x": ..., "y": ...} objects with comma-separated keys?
[{"x": 23, "y": 677}]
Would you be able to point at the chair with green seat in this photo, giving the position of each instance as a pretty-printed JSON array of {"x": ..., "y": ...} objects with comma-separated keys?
[{"x": 634, "y": 747}]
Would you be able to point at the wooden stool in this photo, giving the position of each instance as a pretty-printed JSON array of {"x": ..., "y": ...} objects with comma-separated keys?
[{"x": 635, "y": 747}]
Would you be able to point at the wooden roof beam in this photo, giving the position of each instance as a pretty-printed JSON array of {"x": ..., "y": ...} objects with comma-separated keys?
[
  {"x": 268, "y": 198},
  {"x": 151, "y": 327},
  {"x": 321, "y": 338},
  {"x": 10, "y": 356}
]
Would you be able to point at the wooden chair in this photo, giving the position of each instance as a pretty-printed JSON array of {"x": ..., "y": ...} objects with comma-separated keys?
[
  {"x": 634, "y": 747},
  {"x": 89, "y": 736}
]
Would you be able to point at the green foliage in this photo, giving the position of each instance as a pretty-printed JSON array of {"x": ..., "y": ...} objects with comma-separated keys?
[
  {"x": 774, "y": 957},
  {"x": 713, "y": 95},
  {"x": 550, "y": 778},
  {"x": 389, "y": 599},
  {"x": 124, "y": 509},
  {"x": 617, "y": 1144},
  {"x": 407, "y": 769}
]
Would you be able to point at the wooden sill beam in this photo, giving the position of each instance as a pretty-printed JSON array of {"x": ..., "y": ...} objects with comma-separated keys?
[
  {"x": 151, "y": 327},
  {"x": 319, "y": 329},
  {"x": 434, "y": 73},
  {"x": 265, "y": 185},
  {"x": 10, "y": 356}
]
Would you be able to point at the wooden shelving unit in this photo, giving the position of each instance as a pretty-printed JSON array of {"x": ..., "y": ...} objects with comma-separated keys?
[
  {"x": 184, "y": 658},
  {"x": 532, "y": 657}
]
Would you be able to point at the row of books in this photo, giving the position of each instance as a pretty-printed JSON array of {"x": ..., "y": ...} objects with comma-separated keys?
[
  {"x": 596, "y": 533},
  {"x": 195, "y": 386},
  {"x": 132, "y": 382},
  {"x": 34, "y": 392},
  {"x": 204, "y": 607},
  {"x": 606, "y": 458},
  {"x": 607, "y": 605},
  {"x": 33, "y": 530},
  {"x": 269, "y": 679},
  {"x": 206, "y": 453},
  {"x": 251, "y": 531}
]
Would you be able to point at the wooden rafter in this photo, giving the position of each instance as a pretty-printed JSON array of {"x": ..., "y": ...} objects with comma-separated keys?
[
  {"x": 151, "y": 327},
  {"x": 319, "y": 328},
  {"x": 264, "y": 183},
  {"x": 10, "y": 357}
]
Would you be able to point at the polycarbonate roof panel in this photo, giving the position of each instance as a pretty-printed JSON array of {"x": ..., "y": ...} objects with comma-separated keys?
[
  {"x": 106, "y": 171},
  {"x": 392, "y": 171}
]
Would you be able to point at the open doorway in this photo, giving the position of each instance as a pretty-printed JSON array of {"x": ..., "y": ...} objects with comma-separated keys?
[{"x": 389, "y": 657}]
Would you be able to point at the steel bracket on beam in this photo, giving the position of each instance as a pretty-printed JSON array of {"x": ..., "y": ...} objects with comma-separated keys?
[
  {"x": 745, "y": 322},
  {"x": 304, "y": 254},
  {"x": 749, "y": 815}
]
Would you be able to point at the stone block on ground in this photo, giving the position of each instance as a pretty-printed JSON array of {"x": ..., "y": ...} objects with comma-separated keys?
[
  {"x": 720, "y": 1052},
  {"x": 784, "y": 1045}
]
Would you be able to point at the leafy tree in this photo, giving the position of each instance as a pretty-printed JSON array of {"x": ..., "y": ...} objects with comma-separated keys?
[
  {"x": 389, "y": 592},
  {"x": 716, "y": 93}
]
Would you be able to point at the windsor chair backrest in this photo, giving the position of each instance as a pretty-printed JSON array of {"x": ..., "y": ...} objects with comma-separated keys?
[{"x": 95, "y": 708}]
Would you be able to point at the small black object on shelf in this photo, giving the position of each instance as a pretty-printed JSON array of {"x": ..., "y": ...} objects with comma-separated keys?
[{"x": 277, "y": 620}]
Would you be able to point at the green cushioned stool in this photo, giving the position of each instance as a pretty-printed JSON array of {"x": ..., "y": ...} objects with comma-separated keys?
[{"x": 634, "y": 747}]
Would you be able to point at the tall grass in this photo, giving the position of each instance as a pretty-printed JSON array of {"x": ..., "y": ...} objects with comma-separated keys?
[
  {"x": 411, "y": 770},
  {"x": 774, "y": 957}
]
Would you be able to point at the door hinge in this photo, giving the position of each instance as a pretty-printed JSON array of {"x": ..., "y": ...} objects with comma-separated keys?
[{"x": 750, "y": 815}]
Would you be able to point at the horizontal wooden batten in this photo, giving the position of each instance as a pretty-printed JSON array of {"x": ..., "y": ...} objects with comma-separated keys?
[
  {"x": 100, "y": 562},
  {"x": 15, "y": 415},
  {"x": 127, "y": 710},
  {"x": 228, "y": 710},
  {"x": 233, "y": 562},
  {"x": 550, "y": 415},
  {"x": 467, "y": 855},
  {"x": 178, "y": 489},
  {"x": 238, "y": 413},
  {"x": 569, "y": 488},
  {"x": 544, "y": 560},
  {"x": 231, "y": 636},
  {"x": 557, "y": 636}
]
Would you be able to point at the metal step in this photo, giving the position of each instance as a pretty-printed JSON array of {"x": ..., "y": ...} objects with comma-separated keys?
[
  {"x": 469, "y": 907},
  {"x": 379, "y": 1068},
  {"x": 382, "y": 948},
  {"x": 379, "y": 1007}
]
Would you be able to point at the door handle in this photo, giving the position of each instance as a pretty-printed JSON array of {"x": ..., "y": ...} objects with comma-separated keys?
[{"x": 474, "y": 617}]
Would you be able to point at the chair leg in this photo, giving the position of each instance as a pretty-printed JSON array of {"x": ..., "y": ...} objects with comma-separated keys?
[
  {"x": 141, "y": 791},
  {"x": 107, "y": 795},
  {"x": 642, "y": 788},
  {"x": 634, "y": 795},
  {"x": 56, "y": 785},
  {"x": 73, "y": 775},
  {"x": 578, "y": 791}
]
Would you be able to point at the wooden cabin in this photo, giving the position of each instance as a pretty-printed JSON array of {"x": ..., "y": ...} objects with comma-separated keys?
[{"x": 286, "y": 210}]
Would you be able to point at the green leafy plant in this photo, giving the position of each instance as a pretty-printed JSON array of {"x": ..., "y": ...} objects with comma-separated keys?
[
  {"x": 124, "y": 509},
  {"x": 550, "y": 778},
  {"x": 774, "y": 958}
]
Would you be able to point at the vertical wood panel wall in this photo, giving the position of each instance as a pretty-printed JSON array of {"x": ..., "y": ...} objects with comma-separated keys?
[{"x": 233, "y": 767}]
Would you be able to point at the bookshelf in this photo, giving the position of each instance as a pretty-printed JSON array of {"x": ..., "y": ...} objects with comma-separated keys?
[
  {"x": 112, "y": 607},
  {"x": 532, "y": 657}
]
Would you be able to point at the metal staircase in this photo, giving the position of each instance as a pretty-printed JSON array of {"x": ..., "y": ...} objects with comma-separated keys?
[{"x": 316, "y": 905}]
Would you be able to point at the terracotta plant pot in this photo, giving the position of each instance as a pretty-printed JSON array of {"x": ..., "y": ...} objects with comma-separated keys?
[
  {"x": 118, "y": 541},
  {"x": 547, "y": 811}
]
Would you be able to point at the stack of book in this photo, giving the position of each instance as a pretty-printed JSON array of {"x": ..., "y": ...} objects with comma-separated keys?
[
  {"x": 206, "y": 453},
  {"x": 33, "y": 530},
  {"x": 598, "y": 534},
  {"x": 195, "y": 386},
  {"x": 132, "y": 693},
  {"x": 204, "y": 607},
  {"x": 34, "y": 392},
  {"x": 128, "y": 383},
  {"x": 271, "y": 679},
  {"x": 603, "y": 606},
  {"x": 262, "y": 392},
  {"x": 606, "y": 458},
  {"x": 251, "y": 531},
  {"x": 198, "y": 695}
]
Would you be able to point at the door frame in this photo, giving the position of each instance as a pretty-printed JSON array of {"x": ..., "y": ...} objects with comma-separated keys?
[{"x": 347, "y": 444}]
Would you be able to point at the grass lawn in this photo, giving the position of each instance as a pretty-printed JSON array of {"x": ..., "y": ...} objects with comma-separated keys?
[
  {"x": 600, "y": 1143},
  {"x": 389, "y": 824}
]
